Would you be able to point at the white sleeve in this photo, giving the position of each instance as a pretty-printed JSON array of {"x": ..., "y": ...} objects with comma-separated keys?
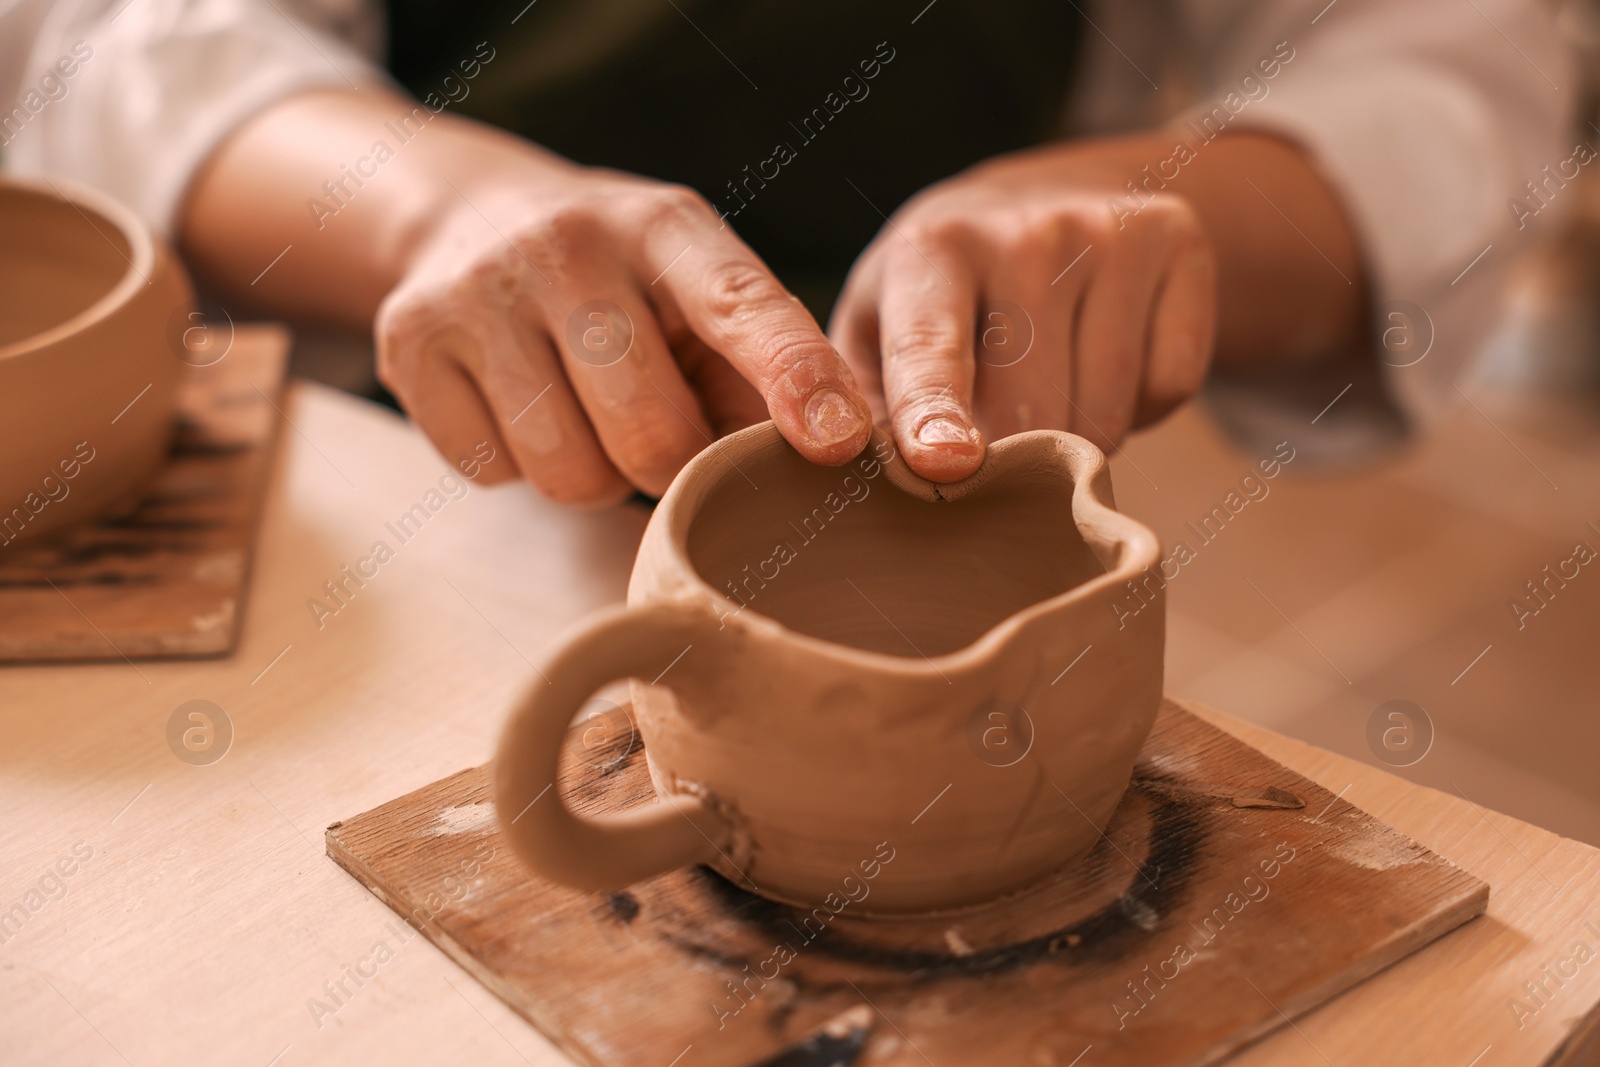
[
  {"x": 154, "y": 85},
  {"x": 1429, "y": 117}
]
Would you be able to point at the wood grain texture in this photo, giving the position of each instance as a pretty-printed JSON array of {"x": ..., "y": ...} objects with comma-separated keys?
[
  {"x": 167, "y": 576},
  {"x": 1227, "y": 895},
  {"x": 1466, "y": 997}
]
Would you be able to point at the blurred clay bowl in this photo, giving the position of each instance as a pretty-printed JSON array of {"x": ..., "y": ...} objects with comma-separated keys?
[{"x": 89, "y": 300}]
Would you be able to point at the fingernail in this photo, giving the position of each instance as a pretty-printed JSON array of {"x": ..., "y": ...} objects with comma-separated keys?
[
  {"x": 832, "y": 419},
  {"x": 944, "y": 430}
]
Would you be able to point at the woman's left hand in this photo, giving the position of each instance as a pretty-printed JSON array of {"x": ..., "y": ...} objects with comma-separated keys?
[{"x": 1018, "y": 295}]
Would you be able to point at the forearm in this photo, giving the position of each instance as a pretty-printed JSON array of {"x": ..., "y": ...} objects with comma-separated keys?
[
  {"x": 349, "y": 183},
  {"x": 1291, "y": 281}
]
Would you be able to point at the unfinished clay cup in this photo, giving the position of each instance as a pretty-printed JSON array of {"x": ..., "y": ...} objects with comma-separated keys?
[
  {"x": 88, "y": 378},
  {"x": 856, "y": 685}
]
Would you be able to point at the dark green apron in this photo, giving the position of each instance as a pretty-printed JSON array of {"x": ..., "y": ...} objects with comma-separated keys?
[{"x": 766, "y": 108}]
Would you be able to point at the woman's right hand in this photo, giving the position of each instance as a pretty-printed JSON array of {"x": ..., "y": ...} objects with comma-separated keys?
[
  {"x": 596, "y": 327},
  {"x": 603, "y": 328}
]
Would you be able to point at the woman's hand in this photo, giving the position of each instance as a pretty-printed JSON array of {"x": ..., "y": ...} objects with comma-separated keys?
[
  {"x": 605, "y": 328},
  {"x": 1013, "y": 297},
  {"x": 598, "y": 328}
]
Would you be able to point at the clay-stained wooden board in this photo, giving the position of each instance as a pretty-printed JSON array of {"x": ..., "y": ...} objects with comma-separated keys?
[
  {"x": 167, "y": 577},
  {"x": 1228, "y": 895}
]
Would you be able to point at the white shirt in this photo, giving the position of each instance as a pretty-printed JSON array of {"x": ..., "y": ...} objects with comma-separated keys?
[{"x": 1428, "y": 116}]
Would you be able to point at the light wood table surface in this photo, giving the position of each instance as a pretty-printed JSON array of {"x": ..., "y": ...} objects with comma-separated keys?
[{"x": 207, "y": 917}]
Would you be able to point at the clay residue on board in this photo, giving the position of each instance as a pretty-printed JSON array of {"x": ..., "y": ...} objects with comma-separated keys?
[
  {"x": 1167, "y": 766},
  {"x": 463, "y": 819},
  {"x": 1241, "y": 796},
  {"x": 1269, "y": 797},
  {"x": 956, "y": 943},
  {"x": 1377, "y": 852}
]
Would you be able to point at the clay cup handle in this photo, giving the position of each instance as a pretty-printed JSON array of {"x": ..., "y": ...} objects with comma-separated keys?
[{"x": 617, "y": 850}]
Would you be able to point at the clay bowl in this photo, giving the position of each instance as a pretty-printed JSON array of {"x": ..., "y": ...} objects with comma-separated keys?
[{"x": 88, "y": 379}]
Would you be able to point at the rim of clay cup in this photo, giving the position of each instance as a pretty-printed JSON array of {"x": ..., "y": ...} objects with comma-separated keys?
[
  {"x": 141, "y": 255},
  {"x": 1142, "y": 549}
]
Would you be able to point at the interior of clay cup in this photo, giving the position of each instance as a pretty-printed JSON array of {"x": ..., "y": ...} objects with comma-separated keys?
[
  {"x": 56, "y": 262},
  {"x": 836, "y": 555}
]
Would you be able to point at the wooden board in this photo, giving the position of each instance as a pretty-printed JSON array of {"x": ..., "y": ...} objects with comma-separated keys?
[
  {"x": 1228, "y": 895},
  {"x": 168, "y": 577}
]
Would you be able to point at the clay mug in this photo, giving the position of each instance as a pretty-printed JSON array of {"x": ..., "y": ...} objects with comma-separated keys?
[
  {"x": 89, "y": 301},
  {"x": 850, "y": 673}
]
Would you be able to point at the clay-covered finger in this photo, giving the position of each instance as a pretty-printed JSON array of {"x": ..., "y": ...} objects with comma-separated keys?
[
  {"x": 926, "y": 323},
  {"x": 729, "y": 298}
]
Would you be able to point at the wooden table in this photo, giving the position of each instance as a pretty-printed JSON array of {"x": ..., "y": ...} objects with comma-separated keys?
[{"x": 201, "y": 918}]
